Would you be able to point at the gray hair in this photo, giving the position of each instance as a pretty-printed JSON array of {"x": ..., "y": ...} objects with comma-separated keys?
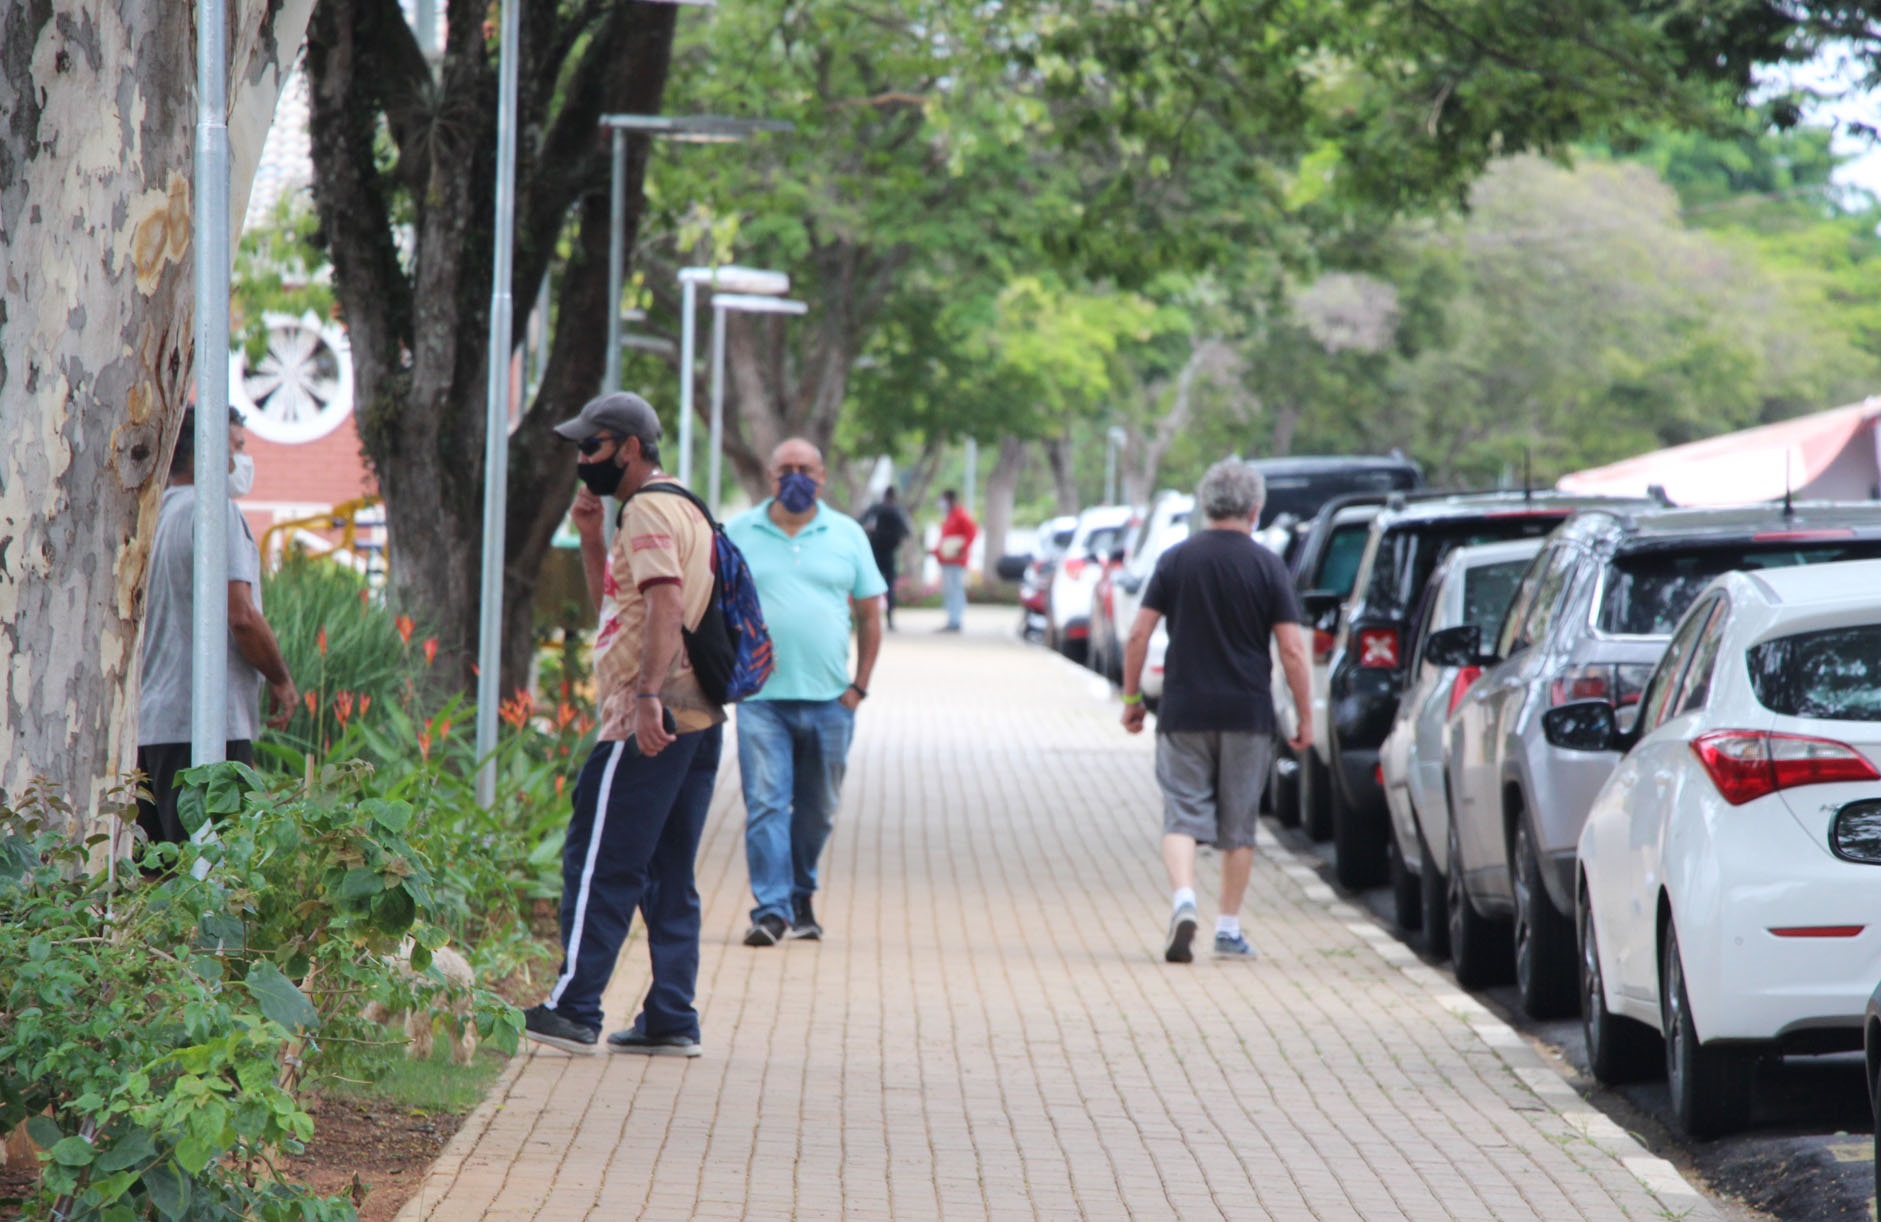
[{"x": 1231, "y": 489}]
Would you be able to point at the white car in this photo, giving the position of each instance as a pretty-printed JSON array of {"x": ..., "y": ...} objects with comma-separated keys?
[
  {"x": 1472, "y": 586},
  {"x": 1068, "y": 600},
  {"x": 1729, "y": 872},
  {"x": 1166, "y": 525}
]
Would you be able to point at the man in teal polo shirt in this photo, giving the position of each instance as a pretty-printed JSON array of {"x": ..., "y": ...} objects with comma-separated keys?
[{"x": 815, "y": 575}]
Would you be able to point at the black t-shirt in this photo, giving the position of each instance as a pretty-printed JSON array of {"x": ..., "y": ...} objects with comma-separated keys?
[
  {"x": 1222, "y": 594},
  {"x": 886, "y": 527}
]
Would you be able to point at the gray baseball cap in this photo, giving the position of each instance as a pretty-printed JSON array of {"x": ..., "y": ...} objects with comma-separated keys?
[{"x": 621, "y": 413}]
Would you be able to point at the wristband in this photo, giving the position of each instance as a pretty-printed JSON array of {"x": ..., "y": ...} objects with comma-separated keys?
[
  {"x": 646, "y": 695},
  {"x": 859, "y": 690},
  {"x": 1133, "y": 697}
]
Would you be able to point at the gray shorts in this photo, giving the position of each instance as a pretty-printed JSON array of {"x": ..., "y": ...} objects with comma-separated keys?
[{"x": 1211, "y": 782}]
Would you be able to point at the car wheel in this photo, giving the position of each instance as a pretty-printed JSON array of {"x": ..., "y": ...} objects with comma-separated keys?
[
  {"x": 1710, "y": 1085},
  {"x": 1544, "y": 937},
  {"x": 1619, "y": 1050},
  {"x": 1430, "y": 900},
  {"x": 1407, "y": 904},
  {"x": 1315, "y": 806},
  {"x": 1283, "y": 787},
  {"x": 1074, "y": 648},
  {"x": 1874, "y": 1094},
  {"x": 1480, "y": 953},
  {"x": 1358, "y": 855}
]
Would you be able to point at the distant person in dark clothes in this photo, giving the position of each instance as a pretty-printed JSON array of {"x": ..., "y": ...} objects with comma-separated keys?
[
  {"x": 164, "y": 700},
  {"x": 887, "y": 528},
  {"x": 1226, "y": 597}
]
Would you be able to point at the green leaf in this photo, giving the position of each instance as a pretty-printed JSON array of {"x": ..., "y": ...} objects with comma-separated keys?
[
  {"x": 72, "y": 1152},
  {"x": 119, "y": 1213},
  {"x": 392, "y": 816},
  {"x": 44, "y": 1131},
  {"x": 127, "y": 1151},
  {"x": 220, "y": 931},
  {"x": 191, "y": 809},
  {"x": 193, "y": 1154},
  {"x": 278, "y": 997},
  {"x": 360, "y": 883},
  {"x": 393, "y": 911},
  {"x": 168, "y": 1189},
  {"x": 420, "y": 957}
]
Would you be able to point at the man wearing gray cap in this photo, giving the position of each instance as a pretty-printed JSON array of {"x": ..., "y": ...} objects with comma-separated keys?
[{"x": 641, "y": 799}]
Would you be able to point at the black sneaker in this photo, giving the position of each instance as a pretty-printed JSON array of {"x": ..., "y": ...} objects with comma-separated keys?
[
  {"x": 545, "y": 1026},
  {"x": 633, "y": 1039},
  {"x": 803, "y": 923},
  {"x": 767, "y": 930}
]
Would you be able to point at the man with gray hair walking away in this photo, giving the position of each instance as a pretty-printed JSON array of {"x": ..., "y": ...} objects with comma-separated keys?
[{"x": 1226, "y": 597}]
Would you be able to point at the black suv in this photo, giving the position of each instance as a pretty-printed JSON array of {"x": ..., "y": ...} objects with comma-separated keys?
[
  {"x": 1300, "y": 486},
  {"x": 1407, "y": 543}
]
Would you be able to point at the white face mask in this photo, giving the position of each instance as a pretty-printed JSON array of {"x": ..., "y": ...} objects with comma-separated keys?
[{"x": 242, "y": 478}]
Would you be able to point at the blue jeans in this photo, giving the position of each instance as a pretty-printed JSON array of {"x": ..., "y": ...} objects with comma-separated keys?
[
  {"x": 954, "y": 592},
  {"x": 792, "y": 755},
  {"x": 631, "y": 842}
]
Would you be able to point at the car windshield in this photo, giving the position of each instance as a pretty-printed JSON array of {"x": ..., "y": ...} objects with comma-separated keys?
[
  {"x": 1487, "y": 591},
  {"x": 1338, "y": 565},
  {"x": 1834, "y": 673},
  {"x": 1103, "y": 541},
  {"x": 1648, "y": 591},
  {"x": 1407, "y": 556}
]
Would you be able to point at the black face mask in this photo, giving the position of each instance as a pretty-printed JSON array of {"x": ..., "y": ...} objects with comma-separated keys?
[{"x": 601, "y": 478}]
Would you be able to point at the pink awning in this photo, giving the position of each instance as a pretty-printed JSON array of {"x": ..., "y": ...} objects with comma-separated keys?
[{"x": 1827, "y": 455}]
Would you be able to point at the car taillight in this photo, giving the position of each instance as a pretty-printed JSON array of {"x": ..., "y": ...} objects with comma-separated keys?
[
  {"x": 1378, "y": 648},
  {"x": 1322, "y": 646},
  {"x": 1460, "y": 686},
  {"x": 1749, "y": 764},
  {"x": 1074, "y": 567},
  {"x": 1619, "y": 686}
]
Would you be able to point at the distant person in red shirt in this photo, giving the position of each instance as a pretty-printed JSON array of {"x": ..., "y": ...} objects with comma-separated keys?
[{"x": 957, "y": 533}]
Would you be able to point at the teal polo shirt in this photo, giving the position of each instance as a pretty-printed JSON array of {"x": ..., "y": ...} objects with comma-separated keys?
[{"x": 805, "y": 582}]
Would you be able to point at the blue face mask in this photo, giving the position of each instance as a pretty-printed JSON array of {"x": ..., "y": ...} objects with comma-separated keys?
[{"x": 796, "y": 492}]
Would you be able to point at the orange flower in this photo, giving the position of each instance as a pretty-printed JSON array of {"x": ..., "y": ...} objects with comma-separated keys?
[
  {"x": 320, "y": 640},
  {"x": 518, "y": 708},
  {"x": 424, "y": 741},
  {"x": 431, "y": 650},
  {"x": 564, "y": 689},
  {"x": 444, "y": 728},
  {"x": 363, "y": 595},
  {"x": 584, "y": 725},
  {"x": 365, "y": 702},
  {"x": 561, "y": 783},
  {"x": 313, "y": 704},
  {"x": 564, "y": 715},
  {"x": 405, "y": 626},
  {"x": 343, "y": 708}
]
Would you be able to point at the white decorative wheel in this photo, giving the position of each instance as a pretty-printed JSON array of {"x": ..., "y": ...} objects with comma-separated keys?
[{"x": 302, "y": 389}]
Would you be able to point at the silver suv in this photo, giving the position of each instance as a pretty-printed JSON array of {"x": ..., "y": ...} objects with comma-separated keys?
[{"x": 1591, "y": 617}]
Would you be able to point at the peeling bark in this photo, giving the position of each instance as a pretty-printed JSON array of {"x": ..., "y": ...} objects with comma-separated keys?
[
  {"x": 1001, "y": 486},
  {"x": 97, "y": 132}
]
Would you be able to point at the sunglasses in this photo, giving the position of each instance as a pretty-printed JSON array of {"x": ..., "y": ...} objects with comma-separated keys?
[{"x": 590, "y": 446}]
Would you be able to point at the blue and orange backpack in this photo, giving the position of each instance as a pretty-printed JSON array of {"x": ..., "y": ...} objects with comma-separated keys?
[{"x": 731, "y": 651}]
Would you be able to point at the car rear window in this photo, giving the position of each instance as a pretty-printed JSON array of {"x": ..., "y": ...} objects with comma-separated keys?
[
  {"x": 1339, "y": 563},
  {"x": 1833, "y": 673},
  {"x": 1304, "y": 494},
  {"x": 1487, "y": 592},
  {"x": 1103, "y": 541},
  {"x": 1648, "y": 591},
  {"x": 1408, "y": 554}
]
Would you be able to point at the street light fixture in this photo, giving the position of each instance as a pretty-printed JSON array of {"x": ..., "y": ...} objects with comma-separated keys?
[
  {"x": 747, "y": 303},
  {"x": 728, "y": 279},
  {"x": 686, "y": 129}
]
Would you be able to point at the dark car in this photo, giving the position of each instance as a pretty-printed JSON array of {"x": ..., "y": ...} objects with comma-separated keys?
[
  {"x": 1376, "y": 628},
  {"x": 1872, "y": 1042},
  {"x": 1302, "y": 486}
]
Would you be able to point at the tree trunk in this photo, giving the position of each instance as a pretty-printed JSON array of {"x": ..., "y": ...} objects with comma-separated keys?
[
  {"x": 1064, "y": 479},
  {"x": 1001, "y": 485},
  {"x": 419, "y": 324},
  {"x": 96, "y": 349}
]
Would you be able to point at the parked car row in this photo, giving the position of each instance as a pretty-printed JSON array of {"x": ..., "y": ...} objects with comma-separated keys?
[{"x": 1626, "y": 756}]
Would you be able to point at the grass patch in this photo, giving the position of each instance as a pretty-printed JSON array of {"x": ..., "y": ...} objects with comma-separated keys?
[{"x": 435, "y": 1085}]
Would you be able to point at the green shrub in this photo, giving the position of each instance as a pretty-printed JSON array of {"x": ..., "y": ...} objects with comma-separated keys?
[{"x": 155, "y": 1029}]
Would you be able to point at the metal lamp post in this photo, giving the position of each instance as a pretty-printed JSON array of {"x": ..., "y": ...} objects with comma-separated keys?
[
  {"x": 209, "y": 642},
  {"x": 749, "y": 281},
  {"x": 722, "y": 303}
]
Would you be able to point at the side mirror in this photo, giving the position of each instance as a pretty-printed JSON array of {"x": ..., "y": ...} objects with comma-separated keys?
[
  {"x": 1130, "y": 583},
  {"x": 1117, "y": 555},
  {"x": 1458, "y": 646},
  {"x": 1315, "y": 605},
  {"x": 1585, "y": 725}
]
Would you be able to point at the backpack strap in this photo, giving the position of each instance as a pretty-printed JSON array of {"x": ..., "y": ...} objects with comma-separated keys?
[{"x": 676, "y": 489}]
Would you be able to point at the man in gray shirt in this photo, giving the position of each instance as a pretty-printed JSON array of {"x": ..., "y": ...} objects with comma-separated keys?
[{"x": 163, "y": 707}]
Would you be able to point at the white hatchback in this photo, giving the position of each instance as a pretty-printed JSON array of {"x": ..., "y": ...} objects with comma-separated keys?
[{"x": 1729, "y": 874}]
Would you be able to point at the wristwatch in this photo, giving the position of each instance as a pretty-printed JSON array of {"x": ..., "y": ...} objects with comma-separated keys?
[{"x": 861, "y": 694}]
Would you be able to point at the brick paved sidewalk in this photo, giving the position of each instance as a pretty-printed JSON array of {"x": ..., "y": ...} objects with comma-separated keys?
[{"x": 989, "y": 1031}]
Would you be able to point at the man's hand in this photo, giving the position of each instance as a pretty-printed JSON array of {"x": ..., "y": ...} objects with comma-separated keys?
[
  {"x": 1302, "y": 739},
  {"x": 849, "y": 699},
  {"x": 588, "y": 514},
  {"x": 649, "y": 735},
  {"x": 1133, "y": 715},
  {"x": 284, "y": 699}
]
